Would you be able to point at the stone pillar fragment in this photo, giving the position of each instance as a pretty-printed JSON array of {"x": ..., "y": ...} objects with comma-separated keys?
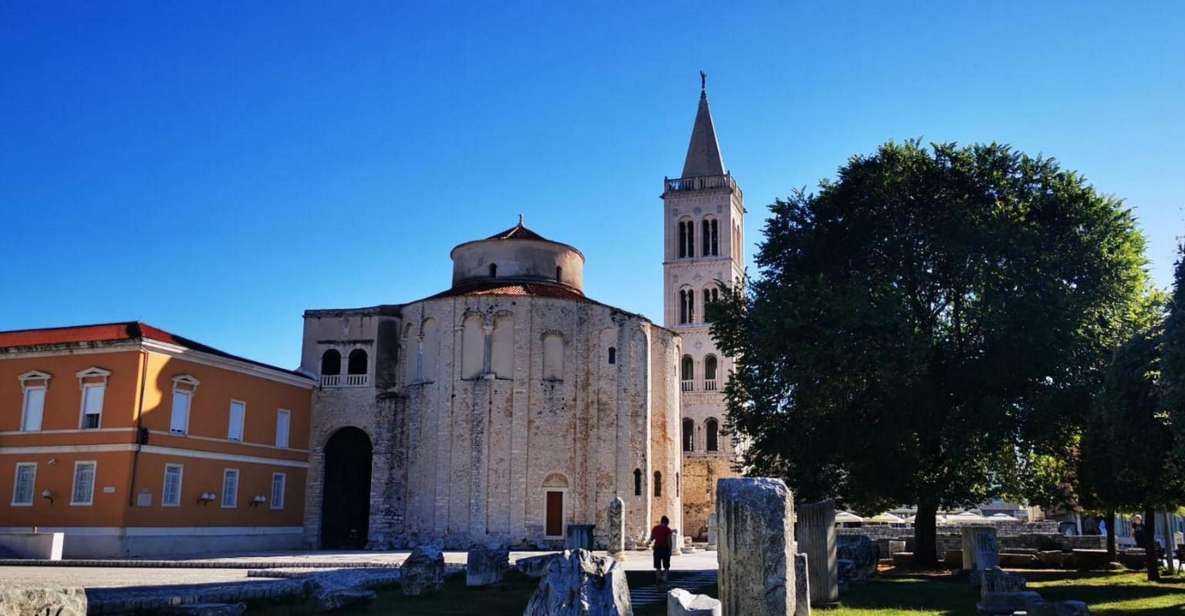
[
  {"x": 617, "y": 527},
  {"x": 756, "y": 547},
  {"x": 970, "y": 543},
  {"x": 987, "y": 553},
  {"x": 712, "y": 531},
  {"x": 802, "y": 592},
  {"x": 815, "y": 533},
  {"x": 682, "y": 603}
]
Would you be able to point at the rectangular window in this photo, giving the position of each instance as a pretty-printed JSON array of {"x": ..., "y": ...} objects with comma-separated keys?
[
  {"x": 84, "y": 484},
  {"x": 22, "y": 489},
  {"x": 170, "y": 496},
  {"x": 278, "y": 482},
  {"x": 92, "y": 405},
  {"x": 179, "y": 423},
  {"x": 238, "y": 412},
  {"x": 34, "y": 409},
  {"x": 283, "y": 418},
  {"x": 230, "y": 488}
]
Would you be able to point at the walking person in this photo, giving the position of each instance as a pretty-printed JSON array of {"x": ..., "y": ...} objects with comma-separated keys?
[{"x": 660, "y": 540}]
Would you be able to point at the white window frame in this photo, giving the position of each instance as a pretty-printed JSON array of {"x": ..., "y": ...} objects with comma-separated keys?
[
  {"x": 34, "y": 375},
  {"x": 188, "y": 385},
  {"x": 164, "y": 488},
  {"x": 230, "y": 422},
  {"x": 16, "y": 484},
  {"x": 44, "y": 389},
  {"x": 74, "y": 483},
  {"x": 82, "y": 406},
  {"x": 283, "y": 491},
  {"x": 287, "y": 415},
  {"x": 226, "y": 472}
]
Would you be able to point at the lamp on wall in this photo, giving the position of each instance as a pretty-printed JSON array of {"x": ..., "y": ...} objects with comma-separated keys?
[
  {"x": 206, "y": 498},
  {"x": 47, "y": 495},
  {"x": 258, "y": 500}
]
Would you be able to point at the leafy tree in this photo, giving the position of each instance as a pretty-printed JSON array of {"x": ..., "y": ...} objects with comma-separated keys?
[
  {"x": 925, "y": 326},
  {"x": 1128, "y": 447}
]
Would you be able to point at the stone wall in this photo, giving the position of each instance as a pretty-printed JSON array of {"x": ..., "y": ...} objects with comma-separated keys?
[
  {"x": 700, "y": 474},
  {"x": 1038, "y": 535}
]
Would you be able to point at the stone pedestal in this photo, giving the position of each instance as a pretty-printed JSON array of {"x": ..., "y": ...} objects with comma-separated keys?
[
  {"x": 973, "y": 537},
  {"x": 579, "y": 537},
  {"x": 756, "y": 547},
  {"x": 617, "y": 528},
  {"x": 802, "y": 586},
  {"x": 815, "y": 533}
]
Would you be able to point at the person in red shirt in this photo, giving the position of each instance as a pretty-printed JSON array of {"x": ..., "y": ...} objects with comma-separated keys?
[{"x": 660, "y": 538}]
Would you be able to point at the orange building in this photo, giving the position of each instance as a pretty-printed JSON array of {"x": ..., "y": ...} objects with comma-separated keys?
[{"x": 137, "y": 442}]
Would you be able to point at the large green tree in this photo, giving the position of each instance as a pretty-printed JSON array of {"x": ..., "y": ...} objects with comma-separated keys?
[{"x": 926, "y": 326}]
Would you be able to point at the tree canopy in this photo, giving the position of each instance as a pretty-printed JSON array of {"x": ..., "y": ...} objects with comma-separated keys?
[{"x": 927, "y": 328}]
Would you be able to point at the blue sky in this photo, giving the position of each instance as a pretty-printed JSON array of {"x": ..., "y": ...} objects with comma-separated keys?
[{"x": 216, "y": 168}]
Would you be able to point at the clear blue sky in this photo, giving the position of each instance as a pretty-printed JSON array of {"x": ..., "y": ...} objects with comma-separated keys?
[{"x": 217, "y": 168}]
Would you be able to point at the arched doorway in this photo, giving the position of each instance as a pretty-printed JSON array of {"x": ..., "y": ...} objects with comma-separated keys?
[{"x": 345, "y": 490}]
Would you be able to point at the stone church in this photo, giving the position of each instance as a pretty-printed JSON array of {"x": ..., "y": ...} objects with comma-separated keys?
[
  {"x": 502, "y": 409},
  {"x": 511, "y": 405}
]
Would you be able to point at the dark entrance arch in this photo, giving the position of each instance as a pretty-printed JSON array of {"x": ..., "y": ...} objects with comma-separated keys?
[{"x": 345, "y": 490}]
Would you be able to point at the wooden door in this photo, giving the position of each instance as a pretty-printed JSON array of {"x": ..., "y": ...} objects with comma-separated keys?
[{"x": 555, "y": 514}]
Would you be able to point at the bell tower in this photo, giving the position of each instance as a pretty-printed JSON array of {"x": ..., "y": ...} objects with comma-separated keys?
[{"x": 703, "y": 230}]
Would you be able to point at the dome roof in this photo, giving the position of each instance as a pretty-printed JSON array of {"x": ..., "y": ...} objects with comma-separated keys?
[{"x": 517, "y": 255}]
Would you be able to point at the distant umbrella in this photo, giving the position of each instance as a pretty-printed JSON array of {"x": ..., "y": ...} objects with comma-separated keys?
[
  {"x": 885, "y": 518},
  {"x": 847, "y": 517}
]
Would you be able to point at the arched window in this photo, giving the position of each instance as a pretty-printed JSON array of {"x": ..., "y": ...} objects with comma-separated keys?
[
  {"x": 473, "y": 347},
  {"x": 710, "y": 373},
  {"x": 637, "y": 482},
  {"x": 493, "y": 270},
  {"x": 711, "y": 294},
  {"x": 688, "y": 435},
  {"x": 686, "y": 306},
  {"x": 712, "y": 428},
  {"x": 711, "y": 238},
  {"x": 331, "y": 362},
  {"x": 657, "y": 483},
  {"x": 676, "y": 484},
  {"x": 559, "y": 272},
  {"x": 502, "y": 346},
  {"x": 687, "y": 372},
  {"x": 613, "y": 355},
  {"x": 553, "y": 357},
  {"x": 686, "y": 238},
  {"x": 357, "y": 362}
]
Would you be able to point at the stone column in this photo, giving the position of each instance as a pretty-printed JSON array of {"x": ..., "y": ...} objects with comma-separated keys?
[
  {"x": 756, "y": 558},
  {"x": 617, "y": 528},
  {"x": 802, "y": 587},
  {"x": 712, "y": 531},
  {"x": 979, "y": 550},
  {"x": 815, "y": 532}
]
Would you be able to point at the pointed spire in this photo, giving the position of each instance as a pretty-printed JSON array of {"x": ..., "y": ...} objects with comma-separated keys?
[{"x": 703, "y": 153}]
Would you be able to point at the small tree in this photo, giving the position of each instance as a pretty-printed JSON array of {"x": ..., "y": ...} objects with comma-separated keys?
[{"x": 924, "y": 325}]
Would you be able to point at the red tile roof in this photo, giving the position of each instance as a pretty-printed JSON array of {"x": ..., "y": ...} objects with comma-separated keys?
[
  {"x": 112, "y": 332},
  {"x": 517, "y": 232},
  {"x": 532, "y": 289}
]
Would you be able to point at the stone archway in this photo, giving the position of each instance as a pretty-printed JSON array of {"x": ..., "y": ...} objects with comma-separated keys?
[{"x": 345, "y": 491}]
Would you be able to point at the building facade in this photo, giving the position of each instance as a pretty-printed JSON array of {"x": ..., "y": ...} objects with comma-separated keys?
[
  {"x": 135, "y": 442},
  {"x": 501, "y": 410},
  {"x": 703, "y": 230}
]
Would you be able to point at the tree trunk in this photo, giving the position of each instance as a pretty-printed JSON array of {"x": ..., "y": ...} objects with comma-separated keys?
[
  {"x": 1111, "y": 552},
  {"x": 925, "y": 548},
  {"x": 1150, "y": 560}
]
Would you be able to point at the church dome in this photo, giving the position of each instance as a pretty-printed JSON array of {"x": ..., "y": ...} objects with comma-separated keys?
[{"x": 517, "y": 255}]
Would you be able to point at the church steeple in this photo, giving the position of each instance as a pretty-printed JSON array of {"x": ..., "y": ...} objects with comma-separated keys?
[{"x": 703, "y": 153}]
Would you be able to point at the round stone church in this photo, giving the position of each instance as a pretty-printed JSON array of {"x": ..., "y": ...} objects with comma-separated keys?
[{"x": 502, "y": 409}]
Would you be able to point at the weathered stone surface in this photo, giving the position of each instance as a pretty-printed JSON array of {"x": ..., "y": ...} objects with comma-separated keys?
[
  {"x": 682, "y": 603},
  {"x": 802, "y": 585},
  {"x": 535, "y": 566},
  {"x": 980, "y": 551},
  {"x": 616, "y": 521},
  {"x": 21, "y": 600},
  {"x": 343, "y": 597},
  {"x": 1054, "y": 559},
  {"x": 1090, "y": 559},
  {"x": 815, "y": 534},
  {"x": 895, "y": 546},
  {"x": 580, "y": 584},
  {"x": 970, "y": 537},
  {"x": 204, "y": 609},
  {"x": 423, "y": 571},
  {"x": 860, "y": 555},
  {"x": 486, "y": 565},
  {"x": 579, "y": 537},
  {"x": 757, "y": 548},
  {"x": 1014, "y": 560},
  {"x": 903, "y": 559},
  {"x": 1006, "y": 603},
  {"x": 1057, "y": 608},
  {"x": 995, "y": 579},
  {"x": 712, "y": 531}
]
